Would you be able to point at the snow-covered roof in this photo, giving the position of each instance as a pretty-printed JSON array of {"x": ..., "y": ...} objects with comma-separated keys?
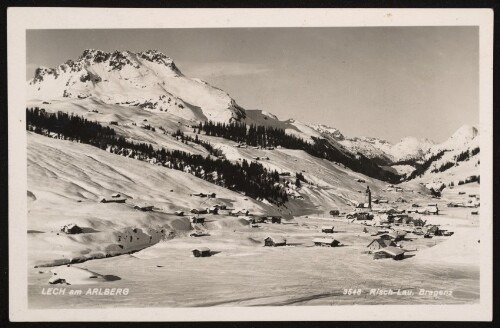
[
  {"x": 323, "y": 240},
  {"x": 276, "y": 239},
  {"x": 201, "y": 249},
  {"x": 391, "y": 250}
]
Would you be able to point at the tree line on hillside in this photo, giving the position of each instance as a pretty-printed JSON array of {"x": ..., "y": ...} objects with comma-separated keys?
[
  {"x": 205, "y": 144},
  {"x": 268, "y": 136},
  {"x": 249, "y": 178},
  {"x": 420, "y": 169}
]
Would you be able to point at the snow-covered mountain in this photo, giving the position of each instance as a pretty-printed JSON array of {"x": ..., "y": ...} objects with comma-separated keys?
[
  {"x": 122, "y": 86},
  {"x": 444, "y": 160},
  {"x": 464, "y": 135},
  {"x": 148, "y": 79},
  {"x": 379, "y": 149},
  {"x": 454, "y": 160}
]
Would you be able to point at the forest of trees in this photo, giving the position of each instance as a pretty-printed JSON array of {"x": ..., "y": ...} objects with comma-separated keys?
[
  {"x": 268, "y": 136},
  {"x": 421, "y": 168},
  {"x": 207, "y": 145},
  {"x": 251, "y": 178}
]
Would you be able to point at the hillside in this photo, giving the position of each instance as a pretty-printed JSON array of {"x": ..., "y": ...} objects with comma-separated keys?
[{"x": 122, "y": 87}]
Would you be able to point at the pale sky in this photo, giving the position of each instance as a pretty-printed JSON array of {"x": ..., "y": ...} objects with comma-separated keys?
[{"x": 386, "y": 82}]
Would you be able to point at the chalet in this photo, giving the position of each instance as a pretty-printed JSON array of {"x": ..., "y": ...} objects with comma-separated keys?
[
  {"x": 359, "y": 180},
  {"x": 220, "y": 206},
  {"x": 327, "y": 229},
  {"x": 113, "y": 123},
  {"x": 400, "y": 234},
  {"x": 213, "y": 210},
  {"x": 197, "y": 219},
  {"x": 380, "y": 232},
  {"x": 179, "y": 213},
  {"x": 276, "y": 219},
  {"x": 401, "y": 219},
  {"x": 71, "y": 229},
  {"x": 116, "y": 195},
  {"x": 256, "y": 158},
  {"x": 362, "y": 207},
  {"x": 474, "y": 212},
  {"x": 432, "y": 229},
  {"x": 113, "y": 200},
  {"x": 461, "y": 192},
  {"x": 199, "y": 194},
  {"x": 270, "y": 148},
  {"x": 390, "y": 252},
  {"x": 392, "y": 236},
  {"x": 379, "y": 243},
  {"x": 334, "y": 212},
  {"x": 199, "y": 234},
  {"x": 398, "y": 189},
  {"x": 439, "y": 232},
  {"x": 360, "y": 216},
  {"x": 392, "y": 211},
  {"x": 266, "y": 158},
  {"x": 285, "y": 174},
  {"x": 326, "y": 242},
  {"x": 275, "y": 241},
  {"x": 432, "y": 210},
  {"x": 199, "y": 211},
  {"x": 418, "y": 231},
  {"x": 211, "y": 195},
  {"x": 201, "y": 252},
  {"x": 259, "y": 219},
  {"x": 144, "y": 207},
  {"x": 239, "y": 212},
  {"x": 472, "y": 195}
]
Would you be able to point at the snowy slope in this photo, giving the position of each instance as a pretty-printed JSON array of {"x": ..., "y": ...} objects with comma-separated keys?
[
  {"x": 66, "y": 175},
  {"x": 459, "y": 140},
  {"x": 465, "y": 139}
]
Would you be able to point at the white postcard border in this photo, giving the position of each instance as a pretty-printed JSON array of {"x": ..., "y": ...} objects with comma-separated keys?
[{"x": 21, "y": 19}]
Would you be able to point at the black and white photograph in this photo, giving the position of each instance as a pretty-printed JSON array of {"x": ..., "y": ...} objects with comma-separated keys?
[{"x": 309, "y": 165}]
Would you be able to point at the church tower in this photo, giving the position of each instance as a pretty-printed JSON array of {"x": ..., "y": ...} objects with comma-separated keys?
[{"x": 368, "y": 195}]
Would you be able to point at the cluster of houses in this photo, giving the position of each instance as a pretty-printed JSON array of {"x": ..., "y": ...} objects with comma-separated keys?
[
  {"x": 473, "y": 202},
  {"x": 263, "y": 219},
  {"x": 386, "y": 245}
]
